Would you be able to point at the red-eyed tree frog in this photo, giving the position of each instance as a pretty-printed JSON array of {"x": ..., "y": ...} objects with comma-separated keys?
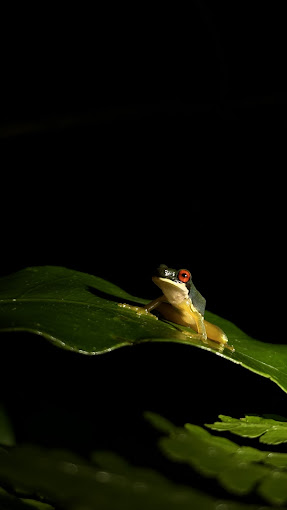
[{"x": 182, "y": 304}]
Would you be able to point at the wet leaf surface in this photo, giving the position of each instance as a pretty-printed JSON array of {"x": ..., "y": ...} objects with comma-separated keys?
[{"x": 80, "y": 312}]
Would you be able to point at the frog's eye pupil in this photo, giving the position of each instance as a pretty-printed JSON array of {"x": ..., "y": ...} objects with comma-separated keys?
[{"x": 184, "y": 275}]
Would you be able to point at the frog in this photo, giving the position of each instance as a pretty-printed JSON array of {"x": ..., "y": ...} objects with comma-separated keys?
[{"x": 182, "y": 304}]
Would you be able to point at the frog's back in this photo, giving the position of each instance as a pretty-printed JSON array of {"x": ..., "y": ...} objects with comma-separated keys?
[{"x": 197, "y": 299}]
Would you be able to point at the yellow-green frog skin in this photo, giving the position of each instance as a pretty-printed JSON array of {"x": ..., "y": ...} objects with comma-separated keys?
[{"x": 182, "y": 304}]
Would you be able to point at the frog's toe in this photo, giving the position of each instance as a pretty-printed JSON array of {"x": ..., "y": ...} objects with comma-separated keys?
[
  {"x": 190, "y": 333},
  {"x": 139, "y": 310},
  {"x": 215, "y": 333}
]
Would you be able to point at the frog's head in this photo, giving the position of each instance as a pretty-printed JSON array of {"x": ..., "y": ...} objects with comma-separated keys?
[{"x": 177, "y": 286}]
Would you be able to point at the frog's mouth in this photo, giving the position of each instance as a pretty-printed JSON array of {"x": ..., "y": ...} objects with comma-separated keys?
[{"x": 175, "y": 292}]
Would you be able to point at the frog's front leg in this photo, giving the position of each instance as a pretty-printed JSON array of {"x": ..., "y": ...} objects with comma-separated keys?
[
  {"x": 200, "y": 328},
  {"x": 144, "y": 310}
]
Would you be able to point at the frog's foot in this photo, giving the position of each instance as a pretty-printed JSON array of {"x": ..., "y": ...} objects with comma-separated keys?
[
  {"x": 215, "y": 344},
  {"x": 139, "y": 310},
  {"x": 195, "y": 336},
  {"x": 216, "y": 334}
]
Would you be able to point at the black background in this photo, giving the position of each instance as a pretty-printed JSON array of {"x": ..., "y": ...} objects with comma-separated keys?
[{"x": 141, "y": 137}]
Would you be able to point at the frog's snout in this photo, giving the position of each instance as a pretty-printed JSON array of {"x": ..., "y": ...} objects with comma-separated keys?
[
  {"x": 161, "y": 271},
  {"x": 164, "y": 271}
]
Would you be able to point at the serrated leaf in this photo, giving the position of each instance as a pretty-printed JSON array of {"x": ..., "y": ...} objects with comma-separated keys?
[
  {"x": 227, "y": 419},
  {"x": 276, "y": 435},
  {"x": 249, "y": 454},
  {"x": 159, "y": 422},
  {"x": 110, "y": 484},
  {"x": 242, "y": 478},
  {"x": 239, "y": 469},
  {"x": 278, "y": 460},
  {"x": 271, "y": 431},
  {"x": 80, "y": 312},
  {"x": 274, "y": 488},
  {"x": 196, "y": 432}
]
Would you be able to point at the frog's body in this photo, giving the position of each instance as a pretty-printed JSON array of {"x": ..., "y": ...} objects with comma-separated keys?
[
  {"x": 185, "y": 305},
  {"x": 182, "y": 304}
]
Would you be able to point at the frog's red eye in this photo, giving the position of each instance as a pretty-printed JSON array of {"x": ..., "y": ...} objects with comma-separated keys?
[{"x": 184, "y": 275}]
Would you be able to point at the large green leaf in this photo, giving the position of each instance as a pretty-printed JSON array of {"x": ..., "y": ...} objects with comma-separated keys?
[{"x": 80, "y": 312}]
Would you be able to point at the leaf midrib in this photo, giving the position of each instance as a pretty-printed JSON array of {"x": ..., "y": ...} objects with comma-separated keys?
[{"x": 16, "y": 301}]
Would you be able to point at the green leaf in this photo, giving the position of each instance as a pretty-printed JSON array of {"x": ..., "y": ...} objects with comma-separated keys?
[
  {"x": 7, "y": 437},
  {"x": 240, "y": 470},
  {"x": 12, "y": 502},
  {"x": 108, "y": 483},
  {"x": 38, "y": 505},
  {"x": 76, "y": 311},
  {"x": 270, "y": 431},
  {"x": 159, "y": 422},
  {"x": 274, "y": 488},
  {"x": 80, "y": 312}
]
